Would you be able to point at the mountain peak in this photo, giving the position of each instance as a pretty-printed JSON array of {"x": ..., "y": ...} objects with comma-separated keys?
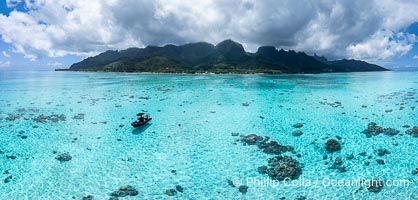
[
  {"x": 229, "y": 46},
  {"x": 266, "y": 50},
  {"x": 226, "y": 57},
  {"x": 228, "y": 41}
]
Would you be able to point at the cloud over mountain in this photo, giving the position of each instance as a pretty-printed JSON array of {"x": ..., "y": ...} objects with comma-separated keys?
[{"x": 355, "y": 29}]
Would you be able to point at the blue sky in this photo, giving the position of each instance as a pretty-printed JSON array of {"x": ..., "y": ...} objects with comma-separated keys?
[
  {"x": 407, "y": 60},
  {"x": 48, "y": 34},
  {"x": 16, "y": 61}
]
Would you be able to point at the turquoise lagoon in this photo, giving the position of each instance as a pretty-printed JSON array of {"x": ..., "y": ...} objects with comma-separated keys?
[{"x": 193, "y": 118}]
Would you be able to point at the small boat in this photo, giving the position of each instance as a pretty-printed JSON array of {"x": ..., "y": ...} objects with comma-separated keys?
[{"x": 142, "y": 120}]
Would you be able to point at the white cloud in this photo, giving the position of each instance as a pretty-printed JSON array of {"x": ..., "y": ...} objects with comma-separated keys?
[
  {"x": 13, "y": 3},
  {"x": 415, "y": 57},
  {"x": 4, "y": 64},
  {"x": 381, "y": 45},
  {"x": 336, "y": 29},
  {"x": 5, "y": 54},
  {"x": 54, "y": 64}
]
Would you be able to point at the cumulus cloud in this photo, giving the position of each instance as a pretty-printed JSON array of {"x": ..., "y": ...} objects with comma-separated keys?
[
  {"x": 415, "y": 57},
  {"x": 5, "y": 54},
  {"x": 356, "y": 29},
  {"x": 381, "y": 45}
]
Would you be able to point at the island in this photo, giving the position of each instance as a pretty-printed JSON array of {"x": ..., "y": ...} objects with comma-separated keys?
[{"x": 226, "y": 57}]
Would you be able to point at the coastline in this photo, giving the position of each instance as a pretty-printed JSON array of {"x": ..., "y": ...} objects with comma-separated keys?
[
  {"x": 268, "y": 72},
  {"x": 186, "y": 72}
]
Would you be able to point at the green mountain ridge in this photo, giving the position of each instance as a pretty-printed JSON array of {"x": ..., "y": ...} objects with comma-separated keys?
[{"x": 226, "y": 57}]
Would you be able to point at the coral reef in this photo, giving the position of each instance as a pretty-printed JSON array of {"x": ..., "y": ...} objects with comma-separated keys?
[
  {"x": 243, "y": 189},
  {"x": 54, "y": 118},
  {"x": 297, "y": 133},
  {"x": 412, "y": 131},
  {"x": 332, "y": 145},
  {"x": 297, "y": 125},
  {"x": 283, "y": 167},
  {"x": 125, "y": 190},
  {"x": 372, "y": 129},
  {"x": 64, "y": 157},
  {"x": 390, "y": 131},
  {"x": 374, "y": 185}
]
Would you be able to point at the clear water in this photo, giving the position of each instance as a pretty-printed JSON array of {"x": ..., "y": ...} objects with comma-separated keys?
[{"x": 193, "y": 118}]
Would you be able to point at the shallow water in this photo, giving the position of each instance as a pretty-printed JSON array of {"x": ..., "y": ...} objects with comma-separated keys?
[{"x": 193, "y": 118}]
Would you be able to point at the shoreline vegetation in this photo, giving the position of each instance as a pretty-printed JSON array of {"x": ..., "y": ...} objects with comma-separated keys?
[
  {"x": 237, "y": 72},
  {"x": 188, "y": 71},
  {"x": 227, "y": 57}
]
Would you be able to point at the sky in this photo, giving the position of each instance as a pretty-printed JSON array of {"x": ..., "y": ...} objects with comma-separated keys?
[{"x": 48, "y": 34}]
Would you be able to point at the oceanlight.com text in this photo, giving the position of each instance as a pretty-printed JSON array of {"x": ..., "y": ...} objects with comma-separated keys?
[{"x": 323, "y": 182}]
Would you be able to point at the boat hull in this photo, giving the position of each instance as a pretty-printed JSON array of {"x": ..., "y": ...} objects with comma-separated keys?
[{"x": 139, "y": 124}]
